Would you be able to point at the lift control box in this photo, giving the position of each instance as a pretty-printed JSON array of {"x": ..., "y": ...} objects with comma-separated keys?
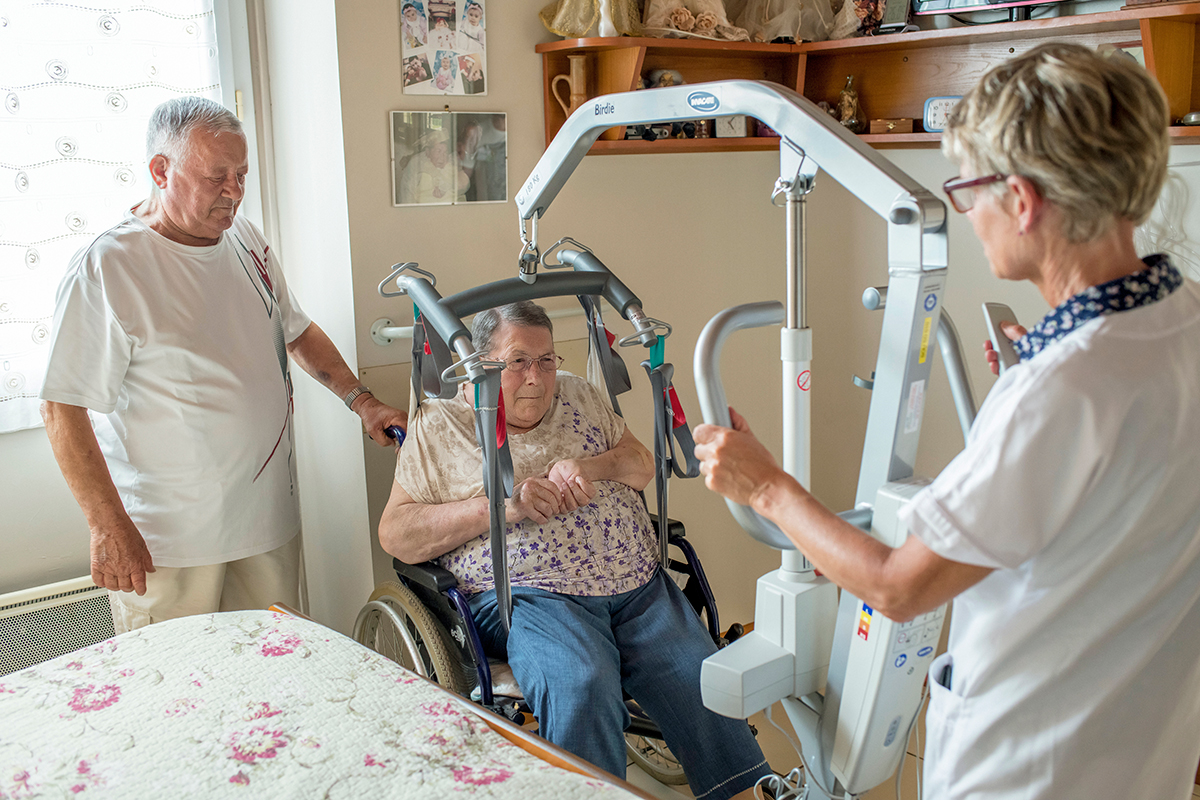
[{"x": 885, "y": 669}]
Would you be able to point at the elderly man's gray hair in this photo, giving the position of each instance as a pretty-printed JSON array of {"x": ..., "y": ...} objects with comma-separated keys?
[
  {"x": 526, "y": 313},
  {"x": 173, "y": 122}
]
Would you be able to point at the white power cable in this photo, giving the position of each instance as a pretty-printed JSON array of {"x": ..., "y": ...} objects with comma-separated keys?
[
  {"x": 782, "y": 787},
  {"x": 912, "y": 728},
  {"x": 924, "y": 699},
  {"x": 808, "y": 773}
]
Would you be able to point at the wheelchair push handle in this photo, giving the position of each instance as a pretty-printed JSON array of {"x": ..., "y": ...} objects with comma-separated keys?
[{"x": 395, "y": 432}]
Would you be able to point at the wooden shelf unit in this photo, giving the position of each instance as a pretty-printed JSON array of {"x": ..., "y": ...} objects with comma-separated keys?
[{"x": 894, "y": 74}]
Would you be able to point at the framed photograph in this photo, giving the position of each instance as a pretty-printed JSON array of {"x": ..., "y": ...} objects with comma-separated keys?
[
  {"x": 444, "y": 158},
  {"x": 443, "y": 47}
]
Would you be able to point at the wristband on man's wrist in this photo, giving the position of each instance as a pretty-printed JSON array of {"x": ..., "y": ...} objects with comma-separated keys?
[{"x": 354, "y": 395}]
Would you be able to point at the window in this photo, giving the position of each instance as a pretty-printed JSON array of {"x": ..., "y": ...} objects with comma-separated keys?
[{"x": 78, "y": 84}]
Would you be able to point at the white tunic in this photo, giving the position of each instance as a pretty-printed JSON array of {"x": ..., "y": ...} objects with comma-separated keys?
[
  {"x": 1076, "y": 664},
  {"x": 180, "y": 351}
]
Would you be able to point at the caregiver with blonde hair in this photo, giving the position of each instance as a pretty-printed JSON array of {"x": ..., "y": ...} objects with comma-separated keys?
[{"x": 1067, "y": 532}]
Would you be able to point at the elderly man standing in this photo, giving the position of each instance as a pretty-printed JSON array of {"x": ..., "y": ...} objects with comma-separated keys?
[{"x": 174, "y": 327}]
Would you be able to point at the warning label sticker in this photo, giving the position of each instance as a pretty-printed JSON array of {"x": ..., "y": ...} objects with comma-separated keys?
[{"x": 915, "y": 406}]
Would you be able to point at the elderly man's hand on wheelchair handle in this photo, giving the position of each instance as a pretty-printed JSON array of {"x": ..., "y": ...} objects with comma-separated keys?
[
  {"x": 537, "y": 499},
  {"x": 573, "y": 485},
  {"x": 377, "y": 417}
]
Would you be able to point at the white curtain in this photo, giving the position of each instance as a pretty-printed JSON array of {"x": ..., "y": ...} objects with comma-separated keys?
[{"x": 78, "y": 82}]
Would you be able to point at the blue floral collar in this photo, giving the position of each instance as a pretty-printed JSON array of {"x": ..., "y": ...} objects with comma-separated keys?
[{"x": 1150, "y": 285}]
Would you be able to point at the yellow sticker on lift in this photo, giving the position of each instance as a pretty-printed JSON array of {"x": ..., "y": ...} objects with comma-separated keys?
[{"x": 925, "y": 340}]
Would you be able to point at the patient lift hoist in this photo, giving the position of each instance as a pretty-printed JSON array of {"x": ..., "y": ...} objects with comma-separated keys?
[{"x": 872, "y": 668}]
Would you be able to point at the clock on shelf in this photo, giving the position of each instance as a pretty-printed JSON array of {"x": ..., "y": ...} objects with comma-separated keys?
[{"x": 937, "y": 110}]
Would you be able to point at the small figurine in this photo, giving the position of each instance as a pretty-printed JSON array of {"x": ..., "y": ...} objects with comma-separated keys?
[
  {"x": 663, "y": 77},
  {"x": 850, "y": 113}
]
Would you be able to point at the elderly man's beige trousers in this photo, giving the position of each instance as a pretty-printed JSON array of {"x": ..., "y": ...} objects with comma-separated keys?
[{"x": 254, "y": 582}]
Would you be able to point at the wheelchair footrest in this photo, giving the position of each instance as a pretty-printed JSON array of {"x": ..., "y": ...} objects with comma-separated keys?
[{"x": 510, "y": 711}]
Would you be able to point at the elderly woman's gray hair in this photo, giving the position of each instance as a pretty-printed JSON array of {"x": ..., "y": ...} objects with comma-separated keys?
[
  {"x": 526, "y": 313},
  {"x": 172, "y": 123},
  {"x": 1089, "y": 130}
]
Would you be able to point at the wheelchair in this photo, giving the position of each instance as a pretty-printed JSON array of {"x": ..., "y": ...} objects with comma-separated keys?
[{"x": 422, "y": 621}]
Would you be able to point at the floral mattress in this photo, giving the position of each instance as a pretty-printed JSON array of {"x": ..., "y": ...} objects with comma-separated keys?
[{"x": 253, "y": 704}]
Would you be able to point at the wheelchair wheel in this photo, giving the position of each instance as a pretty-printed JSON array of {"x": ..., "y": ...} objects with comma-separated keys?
[
  {"x": 651, "y": 752},
  {"x": 394, "y": 624},
  {"x": 655, "y": 759}
]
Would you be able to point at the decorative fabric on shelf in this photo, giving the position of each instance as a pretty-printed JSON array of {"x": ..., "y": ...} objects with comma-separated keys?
[
  {"x": 575, "y": 18},
  {"x": 699, "y": 19},
  {"x": 78, "y": 84}
]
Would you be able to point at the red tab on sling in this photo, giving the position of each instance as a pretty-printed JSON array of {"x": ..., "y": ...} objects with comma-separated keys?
[
  {"x": 501, "y": 422},
  {"x": 676, "y": 409}
]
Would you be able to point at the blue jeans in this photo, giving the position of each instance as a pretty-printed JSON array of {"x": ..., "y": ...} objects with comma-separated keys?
[{"x": 571, "y": 655}]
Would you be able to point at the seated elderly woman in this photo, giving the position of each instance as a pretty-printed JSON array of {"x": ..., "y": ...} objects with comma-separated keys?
[
  {"x": 593, "y": 612},
  {"x": 1067, "y": 532}
]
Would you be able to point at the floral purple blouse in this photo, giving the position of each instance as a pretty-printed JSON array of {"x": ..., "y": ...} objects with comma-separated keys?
[{"x": 605, "y": 548}]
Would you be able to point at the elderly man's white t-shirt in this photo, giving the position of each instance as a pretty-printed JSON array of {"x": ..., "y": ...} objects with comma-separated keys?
[
  {"x": 180, "y": 352},
  {"x": 1080, "y": 485}
]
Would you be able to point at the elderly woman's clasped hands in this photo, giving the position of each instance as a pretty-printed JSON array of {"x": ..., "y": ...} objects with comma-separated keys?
[{"x": 563, "y": 490}]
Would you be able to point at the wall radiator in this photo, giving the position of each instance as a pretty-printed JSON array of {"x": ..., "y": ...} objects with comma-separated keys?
[{"x": 47, "y": 621}]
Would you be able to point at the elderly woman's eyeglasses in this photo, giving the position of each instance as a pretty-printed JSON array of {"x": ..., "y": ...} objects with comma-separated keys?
[
  {"x": 545, "y": 364},
  {"x": 961, "y": 191}
]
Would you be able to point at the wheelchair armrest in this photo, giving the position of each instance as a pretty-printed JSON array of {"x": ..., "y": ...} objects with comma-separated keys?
[
  {"x": 427, "y": 574},
  {"x": 674, "y": 526}
]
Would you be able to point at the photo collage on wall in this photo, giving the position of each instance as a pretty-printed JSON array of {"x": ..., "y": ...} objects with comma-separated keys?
[{"x": 443, "y": 49}]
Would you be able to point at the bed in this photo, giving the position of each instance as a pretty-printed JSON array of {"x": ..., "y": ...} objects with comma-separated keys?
[{"x": 261, "y": 704}]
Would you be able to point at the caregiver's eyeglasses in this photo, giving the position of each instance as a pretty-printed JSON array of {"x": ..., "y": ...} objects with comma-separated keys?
[
  {"x": 961, "y": 191},
  {"x": 545, "y": 364}
]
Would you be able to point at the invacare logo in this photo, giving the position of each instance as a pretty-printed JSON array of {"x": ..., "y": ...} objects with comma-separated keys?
[{"x": 703, "y": 101}]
